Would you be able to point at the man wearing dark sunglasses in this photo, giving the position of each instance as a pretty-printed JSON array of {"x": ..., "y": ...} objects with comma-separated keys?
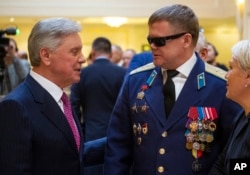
[{"x": 143, "y": 136}]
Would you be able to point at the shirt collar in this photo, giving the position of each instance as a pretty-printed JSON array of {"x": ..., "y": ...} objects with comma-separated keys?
[
  {"x": 55, "y": 91},
  {"x": 186, "y": 67}
]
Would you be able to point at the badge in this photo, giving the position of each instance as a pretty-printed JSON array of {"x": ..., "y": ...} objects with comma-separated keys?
[
  {"x": 201, "y": 80},
  {"x": 151, "y": 77}
]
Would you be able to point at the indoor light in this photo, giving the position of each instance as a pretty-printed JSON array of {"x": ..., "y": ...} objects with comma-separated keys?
[{"x": 115, "y": 21}]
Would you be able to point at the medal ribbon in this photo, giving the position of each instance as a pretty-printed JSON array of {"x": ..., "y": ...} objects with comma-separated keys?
[
  {"x": 201, "y": 114},
  {"x": 193, "y": 113},
  {"x": 210, "y": 113}
]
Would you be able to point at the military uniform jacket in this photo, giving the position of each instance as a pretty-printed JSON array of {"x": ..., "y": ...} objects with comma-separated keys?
[{"x": 140, "y": 136}]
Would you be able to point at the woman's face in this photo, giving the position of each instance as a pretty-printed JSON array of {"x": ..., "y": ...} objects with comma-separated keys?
[{"x": 236, "y": 81}]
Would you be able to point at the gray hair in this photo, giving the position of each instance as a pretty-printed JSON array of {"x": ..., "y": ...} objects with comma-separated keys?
[
  {"x": 202, "y": 42},
  {"x": 241, "y": 53},
  {"x": 49, "y": 33},
  {"x": 181, "y": 17}
]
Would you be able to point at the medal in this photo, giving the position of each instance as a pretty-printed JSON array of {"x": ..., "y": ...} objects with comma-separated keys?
[
  {"x": 200, "y": 127},
  {"x": 139, "y": 140},
  {"x": 189, "y": 145},
  {"x": 139, "y": 129},
  {"x": 145, "y": 128},
  {"x": 196, "y": 166},
  {"x": 202, "y": 146},
  {"x": 202, "y": 137},
  {"x": 212, "y": 126},
  {"x": 144, "y": 108},
  {"x": 196, "y": 146},
  {"x": 193, "y": 126},
  {"x": 190, "y": 137},
  {"x": 134, "y": 109},
  {"x": 140, "y": 95},
  {"x": 134, "y": 128},
  {"x": 210, "y": 138}
]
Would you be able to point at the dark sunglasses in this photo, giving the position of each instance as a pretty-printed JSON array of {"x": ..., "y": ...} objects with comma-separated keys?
[{"x": 161, "y": 41}]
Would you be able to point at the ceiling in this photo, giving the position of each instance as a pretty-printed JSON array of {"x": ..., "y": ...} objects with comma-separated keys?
[{"x": 92, "y": 11}]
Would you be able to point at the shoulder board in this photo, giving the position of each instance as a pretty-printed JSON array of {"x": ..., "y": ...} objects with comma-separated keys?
[
  {"x": 218, "y": 72},
  {"x": 148, "y": 66}
]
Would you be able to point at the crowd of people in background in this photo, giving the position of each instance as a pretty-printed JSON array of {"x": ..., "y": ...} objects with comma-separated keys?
[{"x": 120, "y": 102}]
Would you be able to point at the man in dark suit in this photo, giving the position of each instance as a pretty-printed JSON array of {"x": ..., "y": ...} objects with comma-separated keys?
[
  {"x": 94, "y": 97},
  {"x": 143, "y": 138},
  {"x": 35, "y": 136}
]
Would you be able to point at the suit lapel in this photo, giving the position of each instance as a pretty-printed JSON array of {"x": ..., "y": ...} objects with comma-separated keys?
[
  {"x": 154, "y": 97},
  {"x": 51, "y": 110}
]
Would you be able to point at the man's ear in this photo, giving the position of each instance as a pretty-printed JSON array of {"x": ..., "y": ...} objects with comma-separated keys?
[
  {"x": 187, "y": 40},
  {"x": 45, "y": 56}
]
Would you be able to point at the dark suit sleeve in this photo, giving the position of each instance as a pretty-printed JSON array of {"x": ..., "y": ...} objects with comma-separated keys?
[
  {"x": 15, "y": 140},
  {"x": 94, "y": 152}
]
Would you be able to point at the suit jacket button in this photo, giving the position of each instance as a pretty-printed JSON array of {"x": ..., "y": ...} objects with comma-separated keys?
[
  {"x": 164, "y": 134},
  {"x": 162, "y": 151},
  {"x": 160, "y": 169}
]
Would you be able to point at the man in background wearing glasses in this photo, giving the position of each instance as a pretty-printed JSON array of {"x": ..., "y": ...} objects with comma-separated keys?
[{"x": 145, "y": 135}]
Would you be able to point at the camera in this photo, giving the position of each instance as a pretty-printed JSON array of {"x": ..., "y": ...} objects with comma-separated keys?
[{"x": 4, "y": 44}]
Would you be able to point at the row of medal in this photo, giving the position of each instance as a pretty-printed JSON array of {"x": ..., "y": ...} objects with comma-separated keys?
[{"x": 200, "y": 132}]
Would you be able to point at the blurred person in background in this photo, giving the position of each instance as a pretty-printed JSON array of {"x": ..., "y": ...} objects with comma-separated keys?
[
  {"x": 22, "y": 54},
  {"x": 94, "y": 97},
  {"x": 15, "y": 69},
  {"x": 128, "y": 54},
  {"x": 212, "y": 55},
  {"x": 116, "y": 56}
]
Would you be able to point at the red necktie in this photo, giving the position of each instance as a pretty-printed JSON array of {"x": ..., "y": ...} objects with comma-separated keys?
[{"x": 68, "y": 113}]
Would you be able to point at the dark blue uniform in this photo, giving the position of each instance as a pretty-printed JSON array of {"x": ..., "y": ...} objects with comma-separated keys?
[{"x": 142, "y": 138}]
